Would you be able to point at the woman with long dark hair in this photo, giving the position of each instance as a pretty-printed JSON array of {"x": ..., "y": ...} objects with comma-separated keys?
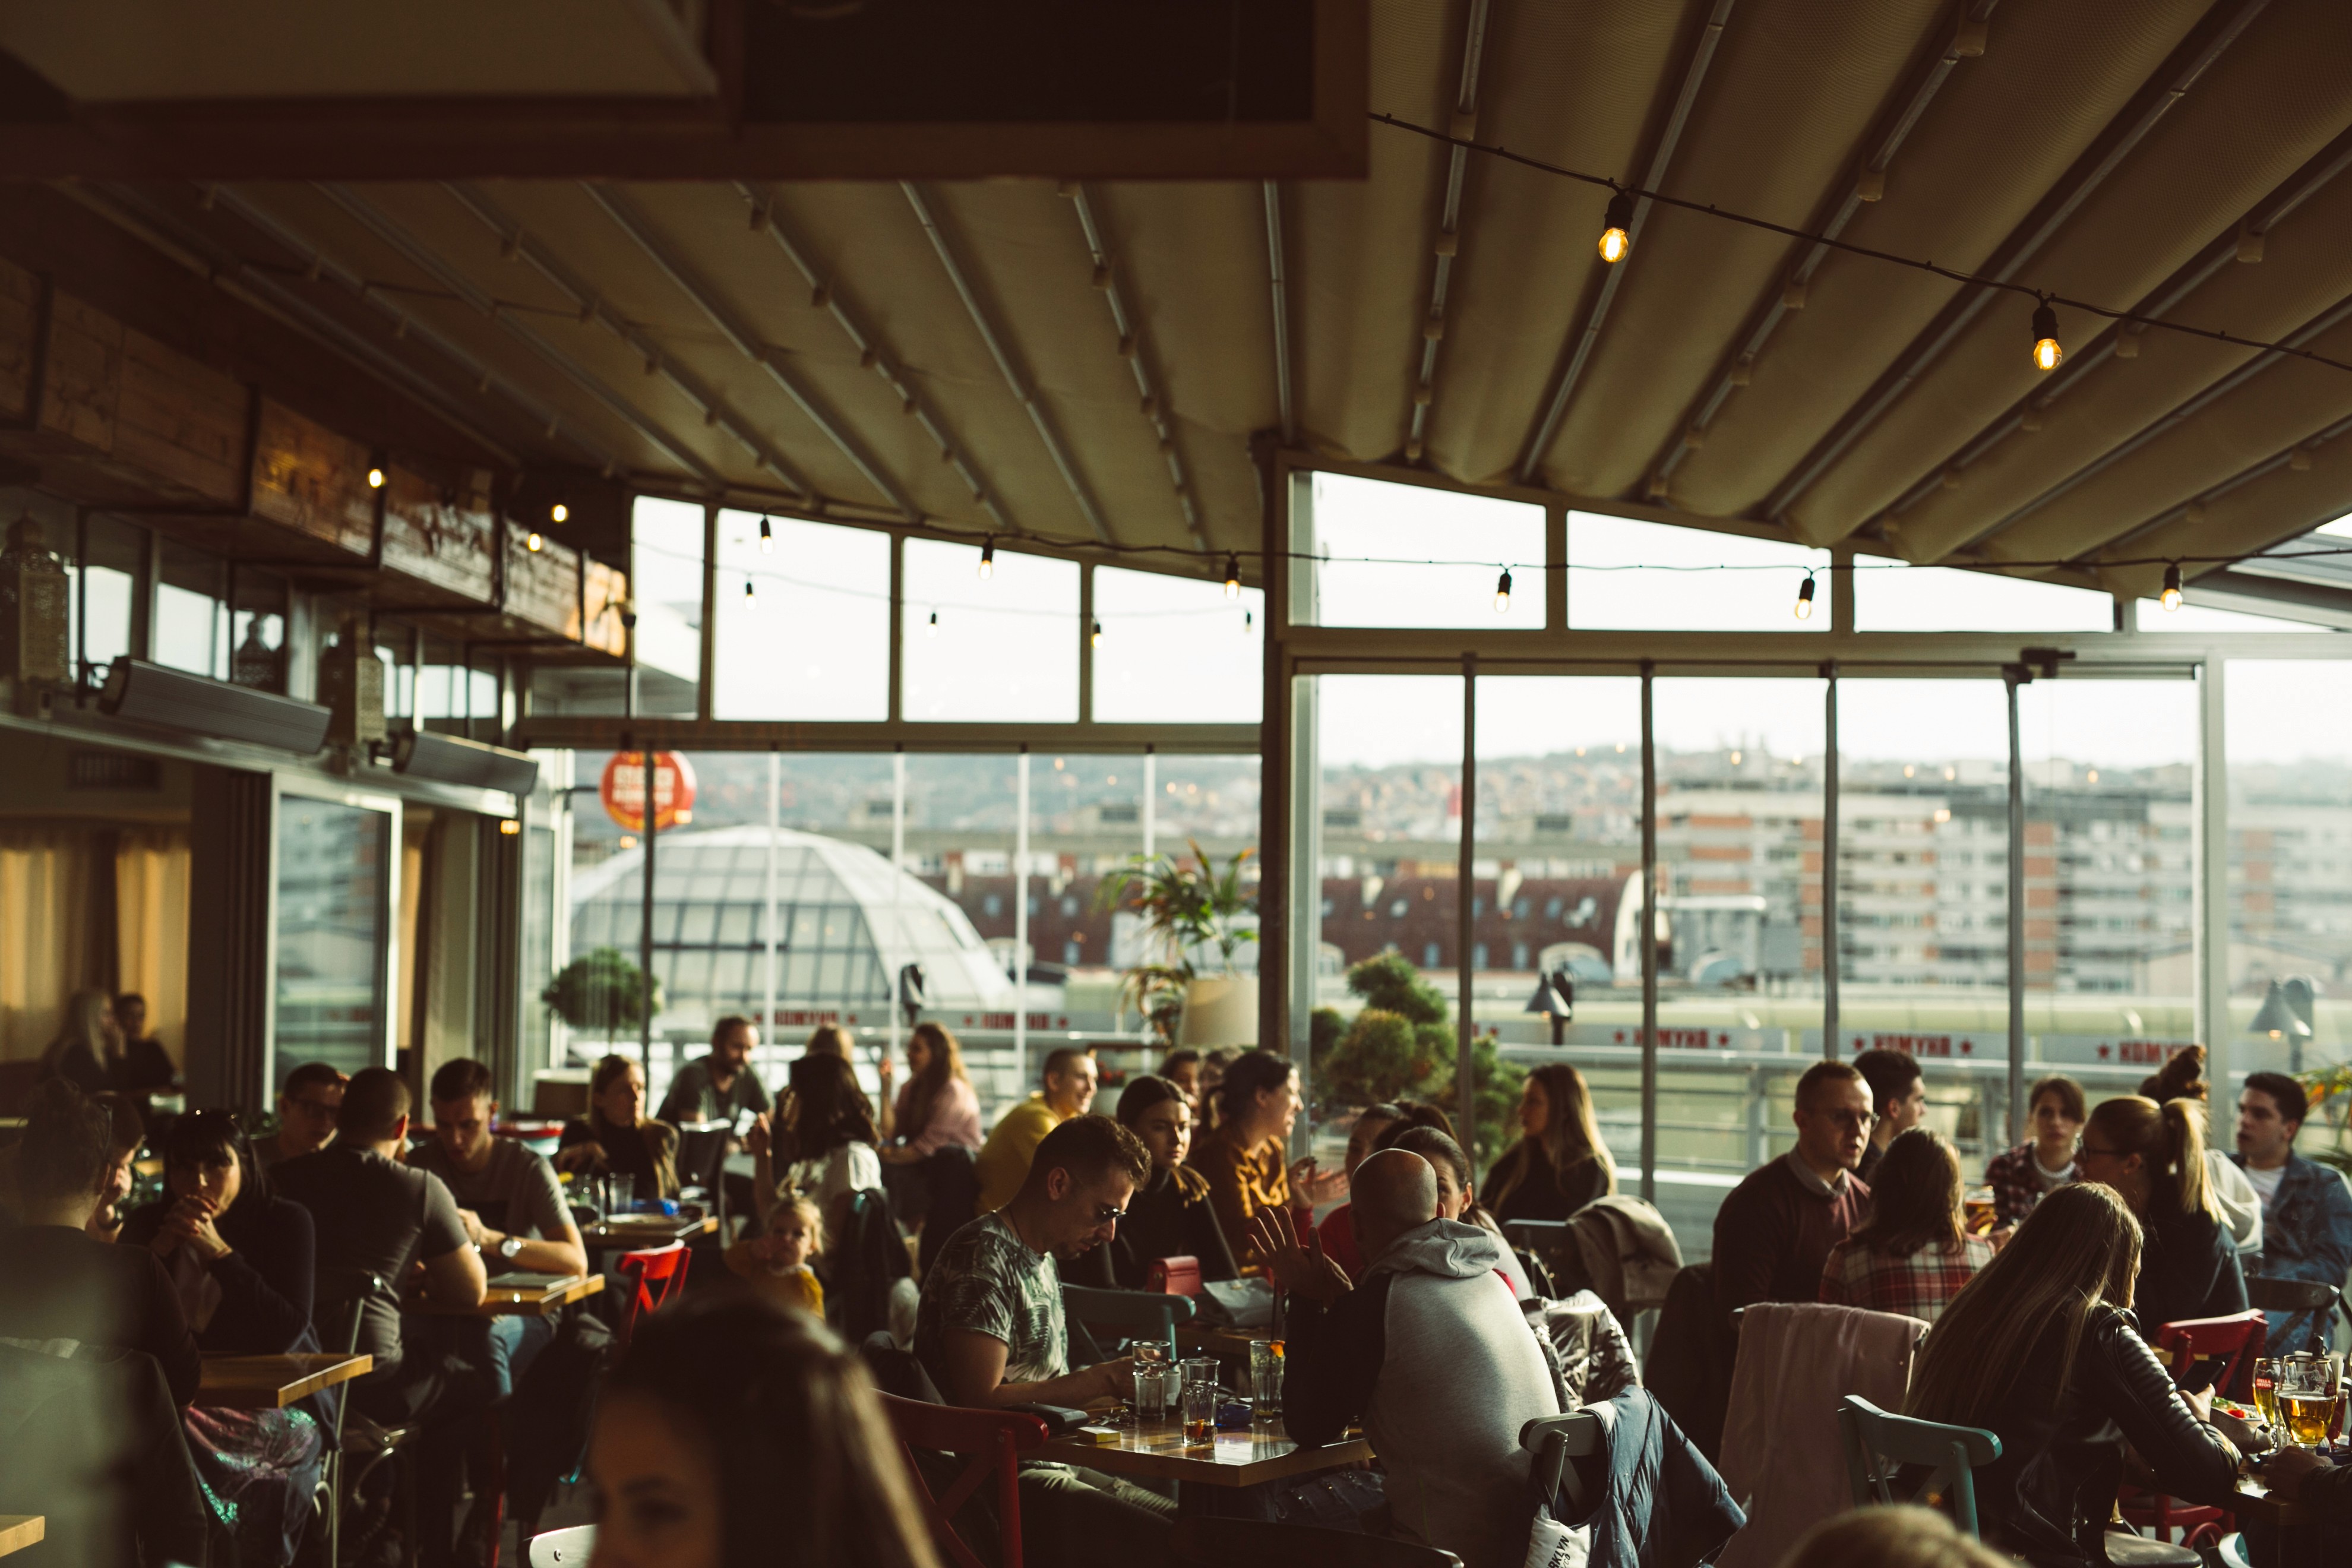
[
  {"x": 1559, "y": 1163},
  {"x": 735, "y": 1434},
  {"x": 1916, "y": 1253},
  {"x": 2155, "y": 1156},
  {"x": 828, "y": 1151},
  {"x": 2042, "y": 1349},
  {"x": 1243, "y": 1156},
  {"x": 936, "y": 1107},
  {"x": 616, "y": 1137},
  {"x": 240, "y": 1260},
  {"x": 1170, "y": 1215}
]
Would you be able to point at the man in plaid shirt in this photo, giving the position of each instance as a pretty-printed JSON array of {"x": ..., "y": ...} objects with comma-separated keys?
[{"x": 1914, "y": 1255}]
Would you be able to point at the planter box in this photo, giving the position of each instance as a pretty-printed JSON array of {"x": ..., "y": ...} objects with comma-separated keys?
[{"x": 1220, "y": 1011}]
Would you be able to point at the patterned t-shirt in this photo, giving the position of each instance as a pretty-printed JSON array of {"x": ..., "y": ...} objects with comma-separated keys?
[{"x": 986, "y": 1279}]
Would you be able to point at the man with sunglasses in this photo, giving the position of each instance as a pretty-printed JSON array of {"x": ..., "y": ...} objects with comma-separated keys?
[
  {"x": 1775, "y": 1230},
  {"x": 307, "y": 1111},
  {"x": 990, "y": 1334}
]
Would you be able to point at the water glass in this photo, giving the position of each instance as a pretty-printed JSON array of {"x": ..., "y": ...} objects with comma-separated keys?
[
  {"x": 1149, "y": 1353},
  {"x": 1200, "y": 1412},
  {"x": 620, "y": 1194},
  {"x": 1265, "y": 1377},
  {"x": 1156, "y": 1388},
  {"x": 1200, "y": 1370}
]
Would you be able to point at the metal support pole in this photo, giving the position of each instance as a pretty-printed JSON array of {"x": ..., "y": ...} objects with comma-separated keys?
[
  {"x": 895, "y": 953},
  {"x": 1830, "y": 865},
  {"x": 1021, "y": 928},
  {"x": 1465, "y": 1084},
  {"x": 768, "y": 918},
  {"x": 645, "y": 926},
  {"x": 1649, "y": 935},
  {"x": 2015, "y": 676},
  {"x": 2210, "y": 878}
]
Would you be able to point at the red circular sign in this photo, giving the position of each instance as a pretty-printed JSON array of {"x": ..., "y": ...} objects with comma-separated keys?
[{"x": 622, "y": 790}]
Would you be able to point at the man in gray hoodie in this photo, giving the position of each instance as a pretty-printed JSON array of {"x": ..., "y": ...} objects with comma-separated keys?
[{"x": 1430, "y": 1351}]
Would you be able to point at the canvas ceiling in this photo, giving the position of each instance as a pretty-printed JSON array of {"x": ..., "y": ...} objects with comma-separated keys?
[{"x": 2127, "y": 152}]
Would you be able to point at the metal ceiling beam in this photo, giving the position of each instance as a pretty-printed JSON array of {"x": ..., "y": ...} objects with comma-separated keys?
[
  {"x": 513, "y": 238},
  {"x": 392, "y": 233},
  {"x": 1449, "y": 225},
  {"x": 137, "y": 210},
  {"x": 1015, "y": 377},
  {"x": 2257, "y": 222},
  {"x": 1878, "y": 155},
  {"x": 1278, "y": 277},
  {"x": 625, "y": 214},
  {"x": 1576, "y": 353},
  {"x": 2299, "y": 451},
  {"x": 1138, "y": 354},
  {"x": 870, "y": 350},
  {"x": 2049, "y": 219}
]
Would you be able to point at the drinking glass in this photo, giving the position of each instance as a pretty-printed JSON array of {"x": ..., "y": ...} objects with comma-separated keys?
[
  {"x": 1200, "y": 1370},
  {"x": 1149, "y": 1353},
  {"x": 2307, "y": 1396},
  {"x": 620, "y": 1194},
  {"x": 2266, "y": 1374},
  {"x": 1152, "y": 1387},
  {"x": 1265, "y": 1377},
  {"x": 1200, "y": 1412}
]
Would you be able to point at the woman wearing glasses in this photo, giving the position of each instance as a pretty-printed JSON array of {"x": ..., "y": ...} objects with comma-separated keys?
[{"x": 2155, "y": 1156}]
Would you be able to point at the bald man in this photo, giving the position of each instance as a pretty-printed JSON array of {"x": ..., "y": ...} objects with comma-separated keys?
[{"x": 1429, "y": 1352}]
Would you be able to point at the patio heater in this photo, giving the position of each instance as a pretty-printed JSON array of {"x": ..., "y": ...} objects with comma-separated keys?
[
  {"x": 1555, "y": 998},
  {"x": 2285, "y": 1013}
]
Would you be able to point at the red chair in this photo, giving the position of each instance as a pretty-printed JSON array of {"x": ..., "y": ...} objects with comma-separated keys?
[
  {"x": 2236, "y": 1342},
  {"x": 992, "y": 1440},
  {"x": 662, "y": 1266}
]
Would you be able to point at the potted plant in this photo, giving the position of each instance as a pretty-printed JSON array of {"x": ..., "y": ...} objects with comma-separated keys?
[
  {"x": 1188, "y": 989},
  {"x": 603, "y": 993}
]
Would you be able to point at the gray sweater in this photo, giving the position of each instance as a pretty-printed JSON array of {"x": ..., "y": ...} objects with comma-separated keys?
[{"x": 1432, "y": 1353}]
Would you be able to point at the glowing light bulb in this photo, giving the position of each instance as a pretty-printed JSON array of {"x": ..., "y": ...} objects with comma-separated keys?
[
  {"x": 747, "y": 587},
  {"x": 1503, "y": 593},
  {"x": 1232, "y": 576},
  {"x": 509, "y": 826},
  {"x": 1616, "y": 238},
  {"x": 2172, "y": 587},
  {"x": 376, "y": 478},
  {"x": 559, "y": 512},
  {"x": 933, "y": 629},
  {"x": 767, "y": 539},
  {"x": 1805, "y": 598},
  {"x": 2047, "y": 351},
  {"x": 534, "y": 543},
  {"x": 1095, "y": 637},
  {"x": 988, "y": 559}
]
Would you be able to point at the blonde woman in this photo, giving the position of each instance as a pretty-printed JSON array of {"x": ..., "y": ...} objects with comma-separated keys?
[
  {"x": 89, "y": 1053},
  {"x": 1559, "y": 1163},
  {"x": 2155, "y": 1156},
  {"x": 2042, "y": 1349}
]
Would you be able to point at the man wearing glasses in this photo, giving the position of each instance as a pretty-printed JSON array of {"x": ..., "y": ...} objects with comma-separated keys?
[
  {"x": 307, "y": 1109},
  {"x": 1775, "y": 1230}
]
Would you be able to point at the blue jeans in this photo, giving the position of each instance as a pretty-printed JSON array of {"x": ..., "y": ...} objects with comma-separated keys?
[{"x": 515, "y": 1341}]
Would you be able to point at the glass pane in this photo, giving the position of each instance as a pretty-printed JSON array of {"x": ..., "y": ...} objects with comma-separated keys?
[
  {"x": 2289, "y": 747},
  {"x": 110, "y": 586},
  {"x": 1891, "y": 598},
  {"x": 666, "y": 583},
  {"x": 1176, "y": 650},
  {"x": 190, "y": 625},
  {"x": 1654, "y": 576},
  {"x": 999, "y": 650},
  {"x": 330, "y": 934},
  {"x": 813, "y": 639},
  {"x": 536, "y": 946},
  {"x": 1406, "y": 555}
]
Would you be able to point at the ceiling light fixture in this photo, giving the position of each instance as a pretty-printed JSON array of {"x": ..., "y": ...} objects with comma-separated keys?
[
  {"x": 933, "y": 629},
  {"x": 533, "y": 542},
  {"x": 1805, "y": 598},
  {"x": 747, "y": 587},
  {"x": 1615, "y": 237},
  {"x": 1232, "y": 576},
  {"x": 1503, "y": 593},
  {"x": 2172, "y": 587},
  {"x": 559, "y": 512},
  {"x": 987, "y": 558},
  {"x": 2047, "y": 351},
  {"x": 376, "y": 478},
  {"x": 767, "y": 539},
  {"x": 1095, "y": 637}
]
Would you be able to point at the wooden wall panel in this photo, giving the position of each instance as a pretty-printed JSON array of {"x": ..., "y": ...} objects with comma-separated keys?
[
  {"x": 20, "y": 325},
  {"x": 83, "y": 376},
  {"x": 312, "y": 480},
  {"x": 443, "y": 538},
  {"x": 181, "y": 421},
  {"x": 542, "y": 585}
]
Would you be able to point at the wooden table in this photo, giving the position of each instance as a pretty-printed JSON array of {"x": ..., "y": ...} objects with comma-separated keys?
[
  {"x": 530, "y": 1301},
  {"x": 274, "y": 1381},
  {"x": 654, "y": 1230},
  {"x": 18, "y": 1530},
  {"x": 1157, "y": 1449},
  {"x": 2254, "y": 1501}
]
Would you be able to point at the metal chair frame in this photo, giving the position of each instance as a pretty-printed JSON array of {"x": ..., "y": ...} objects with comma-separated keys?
[
  {"x": 1554, "y": 1440},
  {"x": 1872, "y": 1436}
]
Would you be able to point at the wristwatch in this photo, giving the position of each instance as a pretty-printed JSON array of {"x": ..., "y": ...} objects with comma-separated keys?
[{"x": 508, "y": 1245}]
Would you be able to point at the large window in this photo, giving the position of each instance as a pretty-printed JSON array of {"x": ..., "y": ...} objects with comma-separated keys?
[
  {"x": 666, "y": 581},
  {"x": 331, "y": 873},
  {"x": 1174, "y": 650},
  {"x": 998, "y": 649},
  {"x": 804, "y": 615},
  {"x": 1388, "y": 555},
  {"x": 1650, "y": 577}
]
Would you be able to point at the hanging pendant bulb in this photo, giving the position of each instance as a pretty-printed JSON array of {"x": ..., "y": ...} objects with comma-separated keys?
[
  {"x": 2047, "y": 351},
  {"x": 1095, "y": 637},
  {"x": 1616, "y": 236},
  {"x": 747, "y": 587},
  {"x": 559, "y": 512},
  {"x": 933, "y": 629},
  {"x": 376, "y": 478},
  {"x": 1249, "y": 622},
  {"x": 2172, "y": 587},
  {"x": 767, "y": 539},
  {"x": 1232, "y": 576},
  {"x": 533, "y": 544},
  {"x": 1503, "y": 593},
  {"x": 1805, "y": 598},
  {"x": 987, "y": 558}
]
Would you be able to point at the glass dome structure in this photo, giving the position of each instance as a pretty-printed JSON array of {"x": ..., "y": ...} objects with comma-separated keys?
[{"x": 846, "y": 922}]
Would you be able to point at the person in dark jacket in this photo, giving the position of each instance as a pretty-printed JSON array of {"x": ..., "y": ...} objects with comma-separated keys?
[
  {"x": 2321, "y": 1495},
  {"x": 2306, "y": 1207},
  {"x": 58, "y": 1281},
  {"x": 241, "y": 1261},
  {"x": 2042, "y": 1350},
  {"x": 2155, "y": 1156},
  {"x": 1559, "y": 1163},
  {"x": 1775, "y": 1229},
  {"x": 1170, "y": 1215}
]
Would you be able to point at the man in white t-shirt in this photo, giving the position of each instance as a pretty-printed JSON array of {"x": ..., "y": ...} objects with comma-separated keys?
[{"x": 2307, "y": 1207}]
